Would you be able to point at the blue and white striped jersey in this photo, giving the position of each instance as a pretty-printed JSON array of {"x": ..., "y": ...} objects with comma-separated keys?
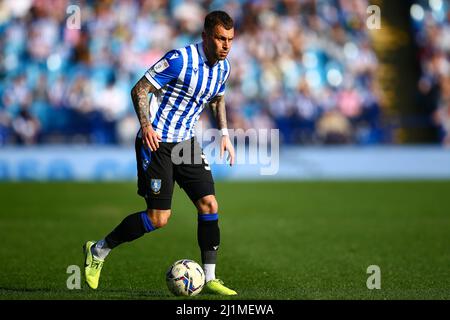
[{"x": 185, "y": 83}]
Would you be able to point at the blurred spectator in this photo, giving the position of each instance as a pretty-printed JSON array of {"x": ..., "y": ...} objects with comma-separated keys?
[
  {"x": 26, "y": 128},
  {"x": 442, "y": 113},
  {"x": 5, "y": 134},
  {"x": 296, "y": 66},
  {"x": 334, "y": 128},
  {"x": 431, "y": 24}
]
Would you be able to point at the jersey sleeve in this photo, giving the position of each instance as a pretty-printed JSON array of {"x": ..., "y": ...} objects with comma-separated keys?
[
  {"x": 227, "y": 70},
  {"x": 166, "y": 69}
]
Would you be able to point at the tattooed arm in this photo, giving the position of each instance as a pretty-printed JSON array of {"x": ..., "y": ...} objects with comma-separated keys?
[
  {"x": 220, "y": 115},
  {"x": 219, "y": 112},
  {"x": 139, "y": 95}
]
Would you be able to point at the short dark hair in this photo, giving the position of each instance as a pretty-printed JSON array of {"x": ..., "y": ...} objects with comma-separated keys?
[{"x": 215, "y": 18}]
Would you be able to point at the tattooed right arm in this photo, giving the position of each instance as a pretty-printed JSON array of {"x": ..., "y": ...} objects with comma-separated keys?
[{"x": 139, "y": 95}]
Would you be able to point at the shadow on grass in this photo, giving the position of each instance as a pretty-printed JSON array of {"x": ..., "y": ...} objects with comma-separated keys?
[
  {"x": 12, "y": 293},
  {"x": 83, "y": 293}
]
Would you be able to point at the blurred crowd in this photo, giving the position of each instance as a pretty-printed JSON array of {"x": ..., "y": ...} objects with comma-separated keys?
[
  {"x": 431, "y": 23},
  {"x": 305, "y": 67}
]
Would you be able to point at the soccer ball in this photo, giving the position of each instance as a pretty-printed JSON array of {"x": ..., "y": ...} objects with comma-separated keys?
[{"x": 185, "y": 278}]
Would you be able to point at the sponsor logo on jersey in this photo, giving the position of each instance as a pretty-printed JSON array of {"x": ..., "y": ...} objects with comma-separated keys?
[{"x": 161, "y": 66}]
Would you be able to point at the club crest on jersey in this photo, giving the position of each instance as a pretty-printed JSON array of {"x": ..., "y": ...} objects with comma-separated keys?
[
  {"x": 161, "y": 66},
  {"x": 155, "y": 184}
]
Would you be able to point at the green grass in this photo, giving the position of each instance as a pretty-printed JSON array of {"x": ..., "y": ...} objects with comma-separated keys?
[{"x": 309, "y": 240}]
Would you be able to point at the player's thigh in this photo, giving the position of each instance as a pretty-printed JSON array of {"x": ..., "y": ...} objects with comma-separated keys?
[
  {"x": 155, "y": 175},
  {"x": 194, "y": 176}
]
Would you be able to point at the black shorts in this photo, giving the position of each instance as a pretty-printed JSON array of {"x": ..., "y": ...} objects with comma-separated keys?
[{"x": 157, "y": 172}]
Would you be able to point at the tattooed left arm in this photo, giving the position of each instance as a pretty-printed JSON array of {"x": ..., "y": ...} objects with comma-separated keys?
[
  {"x": 220, "y": 115},
  {"x": 219, "y": 112}
]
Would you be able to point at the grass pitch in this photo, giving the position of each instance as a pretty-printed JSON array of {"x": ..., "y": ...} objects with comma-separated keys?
[{"x": 280, "y": 240}]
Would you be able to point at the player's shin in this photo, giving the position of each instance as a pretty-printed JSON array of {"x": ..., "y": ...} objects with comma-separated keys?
[
  {"x": 208, "y": 235},
  {"x": 131, "y": 228}
]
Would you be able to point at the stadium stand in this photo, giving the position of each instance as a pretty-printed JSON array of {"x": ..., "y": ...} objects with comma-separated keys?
[{"x": 304, "y": 67}]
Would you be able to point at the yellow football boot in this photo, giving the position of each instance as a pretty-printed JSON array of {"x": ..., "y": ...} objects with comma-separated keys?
[
  {"x": 92, "y": 266},
  {"x": 216, "y": 286}
]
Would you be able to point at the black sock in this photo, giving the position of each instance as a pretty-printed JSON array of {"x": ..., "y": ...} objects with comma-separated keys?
[
  {"x": 208, "y": 236},
  {"x": 131, "y": 228}
]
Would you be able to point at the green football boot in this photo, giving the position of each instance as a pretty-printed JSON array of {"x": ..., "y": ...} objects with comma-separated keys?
[
  {"x": 92, "y": 266},
  {"x": 216, "y": 286}
]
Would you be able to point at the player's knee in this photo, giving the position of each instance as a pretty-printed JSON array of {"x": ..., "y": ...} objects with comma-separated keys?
[
  {"x": 159, "y": 218},
  {"x": 208, "y": 204}
]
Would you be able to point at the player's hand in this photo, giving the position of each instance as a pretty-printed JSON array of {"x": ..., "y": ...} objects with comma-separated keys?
[
  {"x": 226, "y": 145},
  {"x": 150, "y": 138}
]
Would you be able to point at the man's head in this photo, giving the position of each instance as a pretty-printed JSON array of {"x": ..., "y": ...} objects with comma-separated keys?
[{"x": 218, "y": 35}]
